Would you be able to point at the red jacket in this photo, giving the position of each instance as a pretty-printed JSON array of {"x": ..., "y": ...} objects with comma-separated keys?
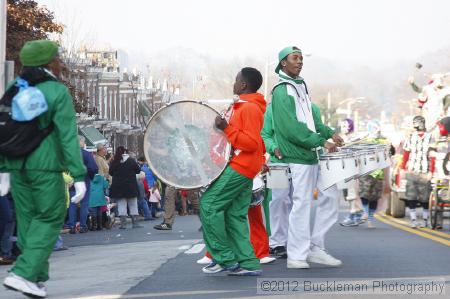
[{"x": 244, "y": 134}]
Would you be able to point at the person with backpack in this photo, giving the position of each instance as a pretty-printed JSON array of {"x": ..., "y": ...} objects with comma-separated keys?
[{"x": 36, "y": 162}]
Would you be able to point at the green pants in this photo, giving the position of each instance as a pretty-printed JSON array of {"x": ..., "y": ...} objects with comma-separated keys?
[
  {"x": 223, "y": 212},
  {"x": 40, "y": 205},
  {"x": 265, "y": 204}
]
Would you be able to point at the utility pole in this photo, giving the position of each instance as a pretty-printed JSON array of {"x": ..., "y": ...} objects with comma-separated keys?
[
  {"x": 328, "y": 108},
  {"x": 2, "y": 45}
]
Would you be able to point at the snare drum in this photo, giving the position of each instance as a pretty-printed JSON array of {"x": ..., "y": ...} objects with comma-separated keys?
[
  {"x": 278, "y": 176},
  {"x": 258, "y": 191},
  {"x": 337, "y": 167}
]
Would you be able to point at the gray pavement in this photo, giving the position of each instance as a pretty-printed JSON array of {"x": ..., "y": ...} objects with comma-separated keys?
[{"x": 145, "y": 263}]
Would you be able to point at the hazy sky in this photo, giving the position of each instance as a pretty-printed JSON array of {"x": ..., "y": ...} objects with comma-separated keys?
[{"x": 368, "y": 32}]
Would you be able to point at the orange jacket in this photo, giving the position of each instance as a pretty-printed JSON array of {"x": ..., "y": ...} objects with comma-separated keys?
[{"x": 244, "y": 134}]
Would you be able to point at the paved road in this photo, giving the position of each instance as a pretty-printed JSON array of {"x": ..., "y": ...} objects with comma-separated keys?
[{"x": 145, "y": 263}]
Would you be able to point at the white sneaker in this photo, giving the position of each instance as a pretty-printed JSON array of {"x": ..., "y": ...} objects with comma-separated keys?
[
  {"x": 267, "y": 260},
  {"x": 424, "y": 224},
  {"x": 320, "y": 256},
  {"x": 27, "y": 287},
  {"x": 413, "y": 224},
  {"x": 293, "y": 264},
  {"x": 204, "y": 261}
]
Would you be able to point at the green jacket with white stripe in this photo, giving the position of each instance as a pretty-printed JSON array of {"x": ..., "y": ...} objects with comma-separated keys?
[{"x": 294, "y": 139}]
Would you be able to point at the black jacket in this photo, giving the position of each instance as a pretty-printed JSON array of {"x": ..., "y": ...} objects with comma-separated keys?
[{"x": 124, "y": 184}]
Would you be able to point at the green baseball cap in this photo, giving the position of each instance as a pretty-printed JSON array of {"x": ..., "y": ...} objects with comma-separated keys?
[
  {"x": 284, "y": 53},
  {"x": 38, "y": 52}
]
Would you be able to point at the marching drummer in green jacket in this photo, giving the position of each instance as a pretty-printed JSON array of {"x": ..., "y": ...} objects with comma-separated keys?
[
  {"x": 37, "y": 183},
  {"x": 300, "y": 134}
]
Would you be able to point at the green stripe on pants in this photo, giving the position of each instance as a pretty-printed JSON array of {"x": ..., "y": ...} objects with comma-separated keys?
[
  {"x": 265, "y": 204},
  {"x": 40, "y": 203},
  {"x": 223, "y": 212}
]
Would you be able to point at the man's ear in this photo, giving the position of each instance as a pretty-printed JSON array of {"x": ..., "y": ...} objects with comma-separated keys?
[{"x": 243, "y": 85}]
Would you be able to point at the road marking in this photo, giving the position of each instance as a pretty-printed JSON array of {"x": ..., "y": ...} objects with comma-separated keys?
[
  {"x": 429, "y": 230},
  {"x": 386, "y": 220},
  {"x": 184, "y": 247},
  {"x": 197, "y": 248},
  {"x": 148, "y": 295}
]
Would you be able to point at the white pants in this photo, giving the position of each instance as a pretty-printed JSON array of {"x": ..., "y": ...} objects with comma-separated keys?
[
  {"x": 280, "y": 206},
  {"x": 290, "y": 212}
]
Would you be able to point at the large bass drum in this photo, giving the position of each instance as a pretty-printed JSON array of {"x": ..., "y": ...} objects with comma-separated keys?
[{"x": 182, "y": 146}]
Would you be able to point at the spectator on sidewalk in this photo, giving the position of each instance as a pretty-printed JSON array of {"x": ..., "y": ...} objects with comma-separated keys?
[
  {"x": 169, "y": 215},
  {"x": 92, "y": 170},
  {"x": 102, "y": 164},
  {"x": 155, "y": 199},
  {"x": 124, "y": 189},
  {"x": 97, "y": 200},
  {"x": 142, "y": 196},
  {"x": 7, "y": 216}
]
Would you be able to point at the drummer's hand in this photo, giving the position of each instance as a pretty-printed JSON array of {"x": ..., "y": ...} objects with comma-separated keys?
[
  {"x": 278, "y": 154},
  {"x": 338, "y": 140},
  {"x": 264, "y": 169},
  {"x": 331, "y": 147},
  {"x": 221, "y": 123}
]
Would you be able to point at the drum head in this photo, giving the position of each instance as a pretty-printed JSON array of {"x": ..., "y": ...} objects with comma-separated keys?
[{"x": 182, "y": 146}]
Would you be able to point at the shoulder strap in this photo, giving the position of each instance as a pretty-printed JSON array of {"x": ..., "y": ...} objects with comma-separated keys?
[{"x": 287, "y": 82}]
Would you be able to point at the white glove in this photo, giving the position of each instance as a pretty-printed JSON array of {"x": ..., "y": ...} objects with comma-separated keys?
[{"x": 80, "y": 191}]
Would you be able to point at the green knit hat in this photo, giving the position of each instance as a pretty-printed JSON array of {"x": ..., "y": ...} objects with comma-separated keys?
[
  {"x": 284, "y": 53},
  {"x": 38, "y": 52}
]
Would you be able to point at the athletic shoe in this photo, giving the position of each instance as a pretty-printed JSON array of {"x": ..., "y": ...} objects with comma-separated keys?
[
  {"x": 279, "y": 251},
  {"x": 267, "y": 260},
  {"x": 293, "y": 264},
  {"x": 83, "y": 230},
  {"x": 320, "y": 256},
  {"x": 4, "y": 260},
  {"x": 62, "y": 248},
  {"x": 163, "y": 226},
  {"x": 214, "y": 267},
  {"x": 244, "y": 272},
  {"x": 370, "y": 224},
  {"x": 20, "y": 284},
  {"x": 424, "y": 223},
  {"x": 413, "y": 224},
  {"x": 349, "y": 222},
  {"x": 204, "y": 261}
]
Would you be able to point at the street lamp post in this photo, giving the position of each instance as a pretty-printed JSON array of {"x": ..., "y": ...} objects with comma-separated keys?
[
  {"x": 350, "y": 102},
  {"x": 2, "y": 45}
]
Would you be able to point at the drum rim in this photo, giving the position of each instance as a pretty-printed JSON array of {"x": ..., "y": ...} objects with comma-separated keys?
[{"x": 157, "y": 173}]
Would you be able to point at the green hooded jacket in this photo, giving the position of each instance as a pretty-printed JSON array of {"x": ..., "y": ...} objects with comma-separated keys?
[
  {"x": 59, "y": 151},
  {"x": 295, "y": 140}
]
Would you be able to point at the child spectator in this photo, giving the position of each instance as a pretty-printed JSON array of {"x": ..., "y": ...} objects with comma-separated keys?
[
  {"x": 155, "y": 198},
  {"x": 97, "y": 200}
]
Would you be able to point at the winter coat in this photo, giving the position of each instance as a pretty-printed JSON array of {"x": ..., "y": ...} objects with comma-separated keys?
[
  {"x": 124, "y": 184},
  {"x": 97, "y": 192}
]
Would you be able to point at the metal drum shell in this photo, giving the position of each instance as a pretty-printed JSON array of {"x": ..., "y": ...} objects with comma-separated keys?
[
  {"x": 335, "y": 167},
  {"x": 278, "y": 176}
]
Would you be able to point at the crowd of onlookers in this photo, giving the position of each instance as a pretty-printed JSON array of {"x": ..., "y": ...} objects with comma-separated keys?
[{"x": 119, "y": 187}]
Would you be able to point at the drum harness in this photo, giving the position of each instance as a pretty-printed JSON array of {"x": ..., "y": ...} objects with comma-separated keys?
[{"x": 316, "y": 149}]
